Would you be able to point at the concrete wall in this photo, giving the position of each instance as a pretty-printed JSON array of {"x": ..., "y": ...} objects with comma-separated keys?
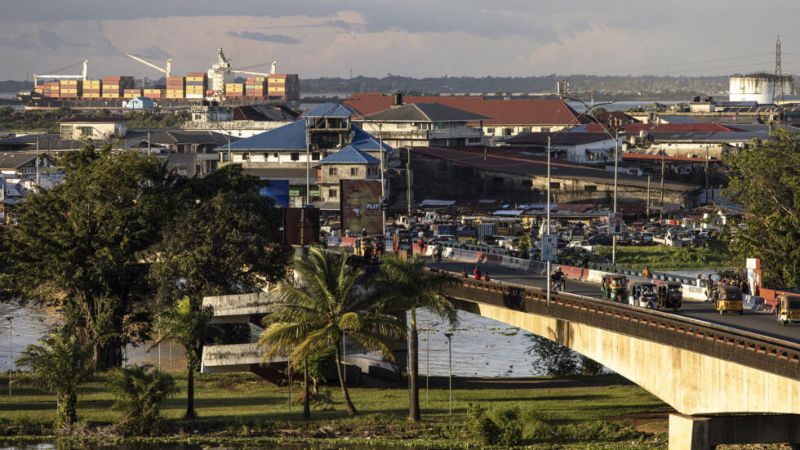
[{"x": 690, "y": 382}]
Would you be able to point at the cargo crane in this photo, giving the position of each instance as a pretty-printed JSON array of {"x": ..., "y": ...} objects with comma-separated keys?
[
  {"x": 167, "y": 70},
  {"x": 221, "y": 73},
  {"x": 83, "y": 76}
]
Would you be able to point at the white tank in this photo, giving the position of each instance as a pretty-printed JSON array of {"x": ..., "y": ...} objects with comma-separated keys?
[{"x": 759, "y": 87}]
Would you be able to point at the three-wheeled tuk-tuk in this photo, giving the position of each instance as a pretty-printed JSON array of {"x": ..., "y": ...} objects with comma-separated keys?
[
  {"x": 643, "y": 293},
  {"x": 670, "y": 295},
  {"x": 614, "y": 287},
  {"x": 729, "y": 298},
  {"x": 787, "y": 309}
]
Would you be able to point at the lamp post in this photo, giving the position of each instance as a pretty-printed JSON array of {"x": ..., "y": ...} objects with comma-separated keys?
[
  {"x": 616, "y": 173},
  {"x": 383, "y": 182},
  {"x": 10, "y": 320},
  {"x": 547, "y": 226},
  {"x": 450, "y": 368}
]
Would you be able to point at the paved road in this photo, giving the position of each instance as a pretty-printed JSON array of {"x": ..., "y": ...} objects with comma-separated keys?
[{"x": 764, "y": 324}]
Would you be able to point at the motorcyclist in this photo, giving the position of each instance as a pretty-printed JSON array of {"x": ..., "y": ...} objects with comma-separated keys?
[{"x": 557, "y": 279}]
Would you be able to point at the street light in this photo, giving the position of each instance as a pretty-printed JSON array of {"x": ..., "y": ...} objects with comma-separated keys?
[
  {"x": 449, "y": 335},
  {"x": 10, "y": 320}
]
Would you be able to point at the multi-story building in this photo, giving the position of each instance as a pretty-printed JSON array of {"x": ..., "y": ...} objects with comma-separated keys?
[
  {"x": 425, "y": 125},
  {"x": 348, "y": 163}
]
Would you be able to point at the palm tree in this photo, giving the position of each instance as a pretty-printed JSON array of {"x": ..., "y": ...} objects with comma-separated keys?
[
  {"x": 190, "y": 326},
  {"x": 327, "y": 304},
  {"x": 407, "y": 285},
  {"x": 138, "y": 392},
  {"x": 59, "y": 363}
]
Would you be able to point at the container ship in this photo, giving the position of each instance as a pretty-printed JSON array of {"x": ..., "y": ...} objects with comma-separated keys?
[{"x": 218, "y": 84}]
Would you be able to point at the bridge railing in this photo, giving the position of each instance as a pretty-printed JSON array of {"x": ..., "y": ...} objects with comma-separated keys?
[{"x": 754, "y": 350}]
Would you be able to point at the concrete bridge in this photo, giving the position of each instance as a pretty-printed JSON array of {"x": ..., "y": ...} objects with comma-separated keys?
[{"x": 728, "y": 385}]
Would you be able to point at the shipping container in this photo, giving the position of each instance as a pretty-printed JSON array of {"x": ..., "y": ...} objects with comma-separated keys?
[{"x": 174, "y": 93}]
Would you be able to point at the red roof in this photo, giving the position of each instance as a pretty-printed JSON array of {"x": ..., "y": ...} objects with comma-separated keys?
[
  {"x": 499, "y": 111},
  {"x": 700, "y": 127}
]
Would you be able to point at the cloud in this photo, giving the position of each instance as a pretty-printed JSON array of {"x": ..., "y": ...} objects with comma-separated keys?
[
  {"x": 41, "y": 39},
  {"x": 257, "y": 36}
]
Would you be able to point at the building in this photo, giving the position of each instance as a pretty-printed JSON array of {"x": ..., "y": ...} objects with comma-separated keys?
[
  {"x": 242, "y": 121},
  {"x": 291, "y": 151},
  {"x": 424, "y": 125},
  {"x": 457, "y": 174},
  {"x": 93, "y": 129},
  {"x": 504, "y": 117},
  {"x": 578, "y": 147},
  {"x": 761, "y": 88},
  {"x": 23, "y": 164},
  {"x": 348, "y": 163},
  {"x": 139, "y": 103}
]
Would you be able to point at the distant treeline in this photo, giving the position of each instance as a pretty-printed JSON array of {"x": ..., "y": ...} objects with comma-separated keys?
[
  {"x": 630, "y": 86},
  {"x": 15, "y": 86}
]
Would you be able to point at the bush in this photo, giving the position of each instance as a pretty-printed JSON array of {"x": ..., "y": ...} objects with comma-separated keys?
[
  {"x": 500, "y": 427},
  {"x": 139, "y": 392},
  {"x": 590, "y": 366},
  {"x": 553, "y": 357}
]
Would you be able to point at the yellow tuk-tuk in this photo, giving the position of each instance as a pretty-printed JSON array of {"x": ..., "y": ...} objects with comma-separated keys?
[
  {"x": 788, "y": 309},
  {"x": 670, "y": 295},
  {"x": 728, "y": 298},
  {"x": 615, "y": 287}
]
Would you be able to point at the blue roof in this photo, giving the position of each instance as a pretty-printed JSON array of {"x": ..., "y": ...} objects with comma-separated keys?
[
  {"x": 350, "y": 155},
  {"x": 287, "y": 137},
  {"x": 335, "y": 110},
  {"x": 364, "y": 141}
]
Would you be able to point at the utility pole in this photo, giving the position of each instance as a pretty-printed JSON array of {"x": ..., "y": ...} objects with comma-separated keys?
[
  {"x": 38, "y": 184},
  {"x": 616, "y": 174},
  {"x": 706, "y": 174},
  {"x": 663, "y": 168},
  {"x": 648, "y": 198},
  {"x": 547, "y": 227},
  {"x": 383, "y": 182},
  {"x": 308, "y": 165},
  {"x": 408, "y": 184}
]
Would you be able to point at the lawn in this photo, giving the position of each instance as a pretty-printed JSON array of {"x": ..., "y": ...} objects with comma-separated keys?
[
  {"x": 242, "y": 408},
  {"x": 714, "y": 255}
]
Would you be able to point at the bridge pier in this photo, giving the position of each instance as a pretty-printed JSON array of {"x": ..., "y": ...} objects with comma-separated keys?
[{"x": 706, "y": 432}]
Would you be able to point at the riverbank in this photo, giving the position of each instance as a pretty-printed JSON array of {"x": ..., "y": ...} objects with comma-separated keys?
[{"x": 240, "y": 409}]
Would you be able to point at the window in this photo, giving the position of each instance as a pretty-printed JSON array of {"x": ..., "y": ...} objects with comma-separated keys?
[
  {"x": 545, "y": 129},
  {"x": 295, "y": 156},
  {"x": 507, "y": 131},
  {"x": 275, "y": 155},
  {"x": 332, "y": 193},
  {"x": 555, "y": 185},
  {"x": 590, "y": 188},
  {"x": 332, "y": 171},
  {"x": 266, "y": 156},
  {"x": 245, "y": 156},
  {"x": 315, "y": 156},
  {"x": 526, "y": 129},
  {"x": 86, "y": 131},
  {"x": 490, "y": 131},
  {"x": 354, "y": 171}
]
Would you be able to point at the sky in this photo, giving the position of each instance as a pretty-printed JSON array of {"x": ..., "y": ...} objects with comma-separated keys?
[{"x": 419, "y": 38}]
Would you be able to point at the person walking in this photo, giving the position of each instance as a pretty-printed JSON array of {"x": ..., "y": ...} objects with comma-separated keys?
[{"x": 646, "y": 272}]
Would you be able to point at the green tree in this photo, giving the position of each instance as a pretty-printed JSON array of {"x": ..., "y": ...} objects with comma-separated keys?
[
  {"x": 406, "y": 286},
  {"x": 315, "y": 314},
  {"x": 224, "y": 238},
  {"x": 59, "y": 363},
  {"x": 553, "y": 357},
  {"x": 189, "y": 326},
  {"x": 138, "y": 393},
  {"x": 81, "y": 246},
  {"x": 766, "y": 181}
]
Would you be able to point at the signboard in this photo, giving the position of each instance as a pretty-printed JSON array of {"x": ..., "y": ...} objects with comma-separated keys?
[
  {"x": 360, "y": 206},
  {"x": 549, "y": 247},
  {"x": 277, "y": 191},
  {"x": 754, "y": 274},
  {"x": 301, "y": 226}
]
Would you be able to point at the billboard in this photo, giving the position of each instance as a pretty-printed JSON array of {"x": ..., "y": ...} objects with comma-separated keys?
[
  {"x": 301, "y": 226},
  {"x": 360, "y": 206},
  {"x": 278, "y": 191}
]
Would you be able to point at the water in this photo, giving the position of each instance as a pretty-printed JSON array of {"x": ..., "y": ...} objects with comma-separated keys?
[
  {"x": 481, "y": 347},
  {"x": 29, "y": 325}
]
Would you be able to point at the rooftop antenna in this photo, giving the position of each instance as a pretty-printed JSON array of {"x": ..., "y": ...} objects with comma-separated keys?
[{"x": 778, "y": 83}]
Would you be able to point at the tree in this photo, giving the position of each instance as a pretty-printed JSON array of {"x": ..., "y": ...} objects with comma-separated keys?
[
  {"x": 327, "y": 304},
  {"x": 59, "y": 363},
  {"x": 766, "y": 181},
  {"x": 81, "y": 246},
  {"x": 190, "y": 327},
  {"x": 406, "y": 285},
  {"x": 138, "y": 393},
  {"x": 225, "y": 238},
  {"x": 553, "y": 357}
]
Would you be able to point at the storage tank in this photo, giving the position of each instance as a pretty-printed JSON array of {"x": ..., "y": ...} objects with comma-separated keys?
[{"x": 759, "y": 87}]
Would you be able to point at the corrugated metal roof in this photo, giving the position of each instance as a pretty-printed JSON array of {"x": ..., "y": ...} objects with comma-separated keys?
[
  {"x": 287, "y": 137},
  {"x": 350, "y": 155},
  {"x": 425, "y": 112},
  {"x": 333, "y": 110},
  {"x": 15, "y": 160},
  {"x": 540, "y": 139}
]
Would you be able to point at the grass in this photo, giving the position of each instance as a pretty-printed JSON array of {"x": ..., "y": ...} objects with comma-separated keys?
[
  {"x": 713, "y": 255},
  {"x": 235, "y": 407}
]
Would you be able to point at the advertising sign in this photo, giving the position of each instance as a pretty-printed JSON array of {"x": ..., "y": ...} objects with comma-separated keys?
[
  {"x": 360, "y": 206},
  {"x": 754, "y": 274},
  {"x": 301, "y": 226},
  {"x": 278, "y": 191},
  {"x": 549, "y": 247}
]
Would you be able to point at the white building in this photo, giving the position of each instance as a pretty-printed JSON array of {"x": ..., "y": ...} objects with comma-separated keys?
[
  {"x": 761, "y": 88},
  {"x": 424, "y": 125}
]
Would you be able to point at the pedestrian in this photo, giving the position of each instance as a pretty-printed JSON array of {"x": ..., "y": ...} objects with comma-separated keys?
[
  {"x": 646, "y": 272},
  {"x": 476, "y": 273}
]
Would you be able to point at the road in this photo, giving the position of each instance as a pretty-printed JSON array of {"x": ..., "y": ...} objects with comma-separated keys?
[{"x": 763, "y": 324}]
